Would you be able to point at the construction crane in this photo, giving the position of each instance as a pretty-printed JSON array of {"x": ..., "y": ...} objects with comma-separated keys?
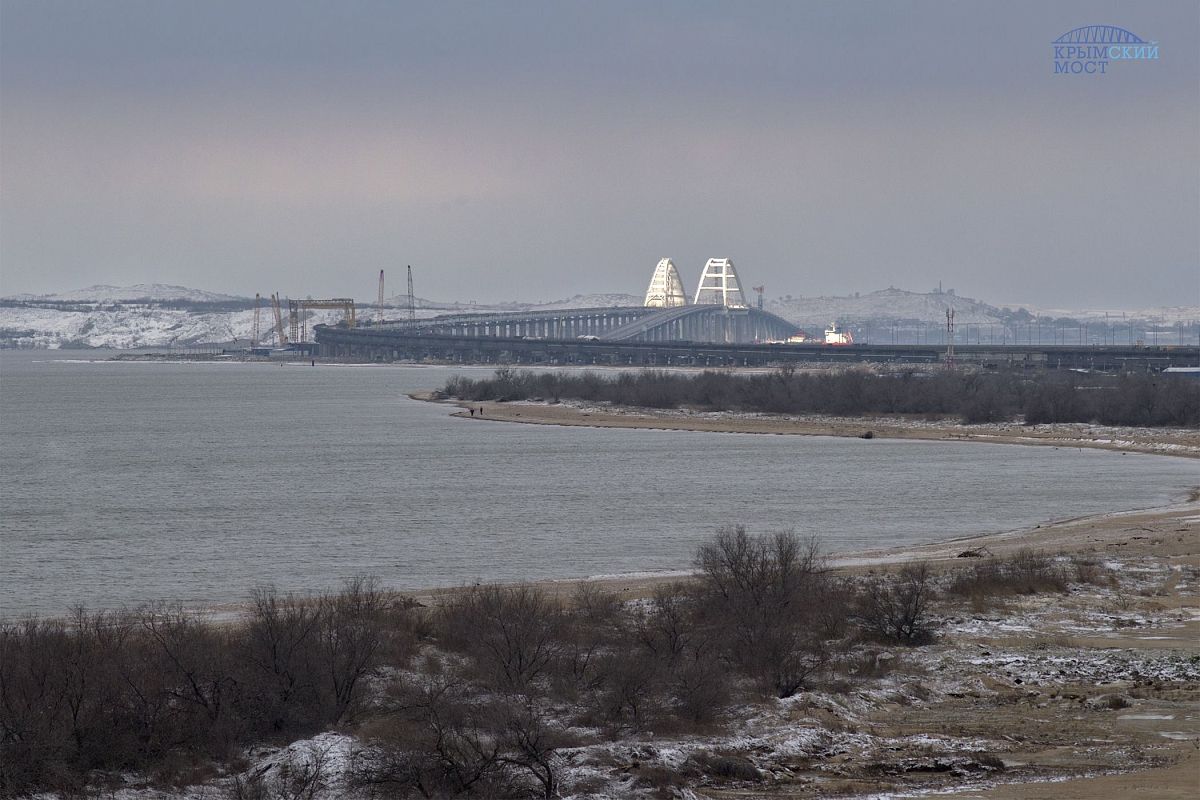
[
  {"x": 412, "y": 302},
  {"x": 298, "y": 314},
  {"x": 280, "y": 336},
  {"x": 760, "y": 290},
  {"x": 257, "y": 320},
  {"x": 379, "y": 302}
]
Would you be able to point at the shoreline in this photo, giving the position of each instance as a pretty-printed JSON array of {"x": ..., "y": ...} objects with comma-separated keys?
[
  {"x": 1170, "y": 442},
  {"x": 1152, "y": 532}
]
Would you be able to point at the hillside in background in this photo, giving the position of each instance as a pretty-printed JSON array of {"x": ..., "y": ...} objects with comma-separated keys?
[
  {"x": 138, "y": 293},
  {"x": 159, "y": 315},
  {"x": 888, "y": 305}
]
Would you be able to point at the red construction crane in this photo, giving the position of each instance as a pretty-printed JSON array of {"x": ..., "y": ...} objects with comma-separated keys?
[{"x": 760, "y": 290}]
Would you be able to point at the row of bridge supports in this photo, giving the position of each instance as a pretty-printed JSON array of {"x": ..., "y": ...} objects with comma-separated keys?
[
  {"x": 566, "y": 326},
  {"x": 703, "y": 323}
]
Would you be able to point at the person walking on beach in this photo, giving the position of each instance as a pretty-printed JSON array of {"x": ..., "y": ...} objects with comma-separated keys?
[{"x": 472, "y": 411}]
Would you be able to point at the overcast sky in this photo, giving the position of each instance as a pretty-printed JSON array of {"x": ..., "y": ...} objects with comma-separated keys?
[{"x": 529, "y": 150}]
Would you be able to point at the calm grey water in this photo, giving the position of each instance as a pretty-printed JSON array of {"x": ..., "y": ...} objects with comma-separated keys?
[{"x": 124, "y": 483}]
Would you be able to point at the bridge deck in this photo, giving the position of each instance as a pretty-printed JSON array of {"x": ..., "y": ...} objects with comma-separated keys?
[{"x": 383, "y": 344}]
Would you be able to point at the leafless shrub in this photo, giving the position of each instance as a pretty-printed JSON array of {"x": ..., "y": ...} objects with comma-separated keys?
[
  {"x": 350, "y": 635},
  {"x": 166, "y": 692},
  {"x": 280, "y": 661},
  {"x": 726, "y": 766},
  {"x": 869, "y": 663},
  {"x": 1023, "y": 572},
  {"x": 699, "y": 687},
  {"x": 438, "y": 739},
  {"x": 761, "y": 594},
  {"x": 531, "y": 740},
  {"x": 301, "y": 776},
  {"x": 592, "y": 624},
  {"x": 1089, "y": 570},
  {"x": 671, "y": 625},
  {"x": 895, "y": 607},
  {"x": 629, "y": 697}
]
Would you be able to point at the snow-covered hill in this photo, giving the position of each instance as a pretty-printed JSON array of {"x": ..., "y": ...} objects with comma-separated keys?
[
  {"x": 887, "y": 305},
  {"x": 141, "y": 292},
  {"x": 131, "y": 328},
  {"x": 1162, "y": 315},
  {"x": 603, "y": 300}
]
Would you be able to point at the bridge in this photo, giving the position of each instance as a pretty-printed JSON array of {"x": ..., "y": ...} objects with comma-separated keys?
[
  {"x": 378, "y": 344},
  {"x": 693, "y": 323},
  {"x": 717, "y": 314},
  {"x": 715, "y": 329}
]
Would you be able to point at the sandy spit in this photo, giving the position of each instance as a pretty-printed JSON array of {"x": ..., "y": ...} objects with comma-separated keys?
[{"x": 1176, "y": 442}]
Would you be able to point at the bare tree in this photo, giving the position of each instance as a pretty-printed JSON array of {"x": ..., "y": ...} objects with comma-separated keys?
[
  {"x": 512, "y": 632},
  {"x": 437, "y": 739},
  {"x": 278, "y": 655},
  {"x": 763, "y": 592},
  {"x": 531, "y": 741},
  {"x": 350, "y": 635}
]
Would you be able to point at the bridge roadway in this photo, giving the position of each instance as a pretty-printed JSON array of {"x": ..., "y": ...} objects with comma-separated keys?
[
  {"x": 386, "y": 344},
  {"x": 693, "y": 323}
]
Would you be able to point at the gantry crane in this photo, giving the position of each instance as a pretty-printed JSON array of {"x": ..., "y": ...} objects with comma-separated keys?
[{"x": 298, "y": 316}]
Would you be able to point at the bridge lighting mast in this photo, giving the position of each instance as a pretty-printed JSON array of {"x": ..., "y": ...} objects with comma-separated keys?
[
  {"x": 949, "y": 338},
  {"x": 412, "y": 302},
  {"x": 379, "y": 304}
]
